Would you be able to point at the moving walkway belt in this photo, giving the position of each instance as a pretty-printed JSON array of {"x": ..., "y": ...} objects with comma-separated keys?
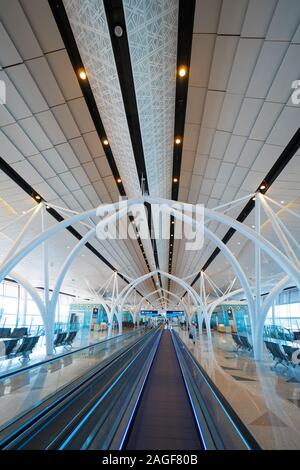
[{"x": 164, "y": 417}]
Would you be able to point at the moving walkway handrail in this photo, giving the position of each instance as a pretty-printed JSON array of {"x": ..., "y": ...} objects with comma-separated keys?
[
  {"x": 57, "y": 357},
  {"x": 210, "y": 416},
  {"x": 14, "y": 438}
]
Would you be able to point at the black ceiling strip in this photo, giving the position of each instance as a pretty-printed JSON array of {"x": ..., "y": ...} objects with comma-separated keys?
[
  {"x": 286, "y": 155},
  {"x": 11, "y": 173},
  {"x": 66, "y": 32},
  {"x": 184, "y": 50},
  {"x": 63, "y": 24},
  {"x": 116, "y": 18}
]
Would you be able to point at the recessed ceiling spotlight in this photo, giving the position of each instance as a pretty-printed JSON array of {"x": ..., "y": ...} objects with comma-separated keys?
[
  {"x": 37, "y": 197},
  {"x": 82, "y": 74},
  {"x": 182, "y": 71},
  {"x": 178, "y": 140},
  {"x": 175, "y": 180},
  {"x": 253, "y": 199},
  {"x": 118, "y": 31},
  {"x": 105, "y": 142},
  {"x": 120, "y": 181}
]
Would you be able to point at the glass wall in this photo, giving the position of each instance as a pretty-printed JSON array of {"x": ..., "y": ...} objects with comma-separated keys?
[
  {"x": 17, "y": 308},
  {"x": 286, "y": 310}
]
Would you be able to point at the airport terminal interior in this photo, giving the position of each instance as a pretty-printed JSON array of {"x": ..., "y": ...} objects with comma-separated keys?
[{"x": 149, "y": 225}]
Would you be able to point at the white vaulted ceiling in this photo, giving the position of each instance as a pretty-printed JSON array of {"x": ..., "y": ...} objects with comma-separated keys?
[{"x": 239, "y": 118}]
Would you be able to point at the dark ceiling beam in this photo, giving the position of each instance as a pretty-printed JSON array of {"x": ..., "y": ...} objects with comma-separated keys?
[
  {"x": 184, "y": 50},
  {"x": 280, "y": 164}
]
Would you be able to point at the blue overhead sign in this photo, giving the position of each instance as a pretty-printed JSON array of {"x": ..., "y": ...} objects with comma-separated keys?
[
  {"x": 175, "y": 313},
  {"x": 149, "y": 313}
]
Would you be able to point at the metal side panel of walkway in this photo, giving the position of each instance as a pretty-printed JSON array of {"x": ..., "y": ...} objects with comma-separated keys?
[{"x": 164, "y": 418}]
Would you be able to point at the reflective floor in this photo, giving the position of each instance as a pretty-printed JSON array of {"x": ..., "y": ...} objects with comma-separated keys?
[
  {"x": 267, "y": 401},
  {"x": 24, "y": 390},
  {"x": 84, "y": 338}
]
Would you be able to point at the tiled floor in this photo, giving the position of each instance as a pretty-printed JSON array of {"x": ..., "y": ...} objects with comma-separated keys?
[{"x": 267, "y": 401}]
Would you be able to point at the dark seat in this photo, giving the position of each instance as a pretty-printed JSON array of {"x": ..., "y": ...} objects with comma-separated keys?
[
  {"x": 236, "y": 340},
  {"x": 27, "y": 345},
  {"x": 5, "y": 332},
  {"x": 19, "y": 332},
  {"x": 70, "y": 338},
  {"x": 276, "y": 352},
  {"x": 289, "y": 351},
  {"x": 8, "y": 346},
  {"x": 245, "y": 343},
  {"x": 60, "y": 339}
]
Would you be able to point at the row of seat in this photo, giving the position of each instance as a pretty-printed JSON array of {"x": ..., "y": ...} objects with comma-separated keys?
[
  {"x": 64, "y": 339},
  {"x": 13, "y": 333},
  {"x": 282, "y": 353},
  {"x": 241, "y": 342},
  {"x": 16, "y": 347}
]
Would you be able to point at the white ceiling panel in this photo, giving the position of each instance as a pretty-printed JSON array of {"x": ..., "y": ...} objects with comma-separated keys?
[
  {"x": 288, "y": 71},
  {"x": 257, "y": 18},
  {"x": 43, "y": 24},
  {"x": 27, "y": 87},
  {"x": 230, "y": 109},
  {"x": 54, "y": 160},
  {"x": 35, "y": 132},
  {"x": 284, "y": 21},
  {"x": 44, "y": 78},
  {"x": 243, "y": 65},
  {"x": 66, "y": 121},
  {"x": 51, "y": 127},
  {"x": 81, "y": 115},
  {"x": 94, "y": 144},
  {"x": 249, "y": 153},
  {"x": 247, "y": 116},
  {"x": 269, "y": 61},
  {"x": 80, "y": 149},
  {"x": 68, "y": 156},
  {"x": 14, "y": 102},
  {"x": 80, "y": 176},
  {"x": 28, "y": 172},
  {"x": 202, "y": 50},
  {"x": 225, "y": 48},
  {"x": 58, "y": 186},
  {"x": 265, "y": 120},
  {"x": 267, "y": 157},
  {"x": 285, "y": 126},
  {"x": 16, "y": 135},
  {"x": 232, "y": 16},
  {"x": 8, "y": 151},
  {"x": 41, "y": 165},
  {"x": 18, "y": 28},
  {"x": 8, "y": 53},
  {"x": 62, "y": 69},
  {"x": 234, "y": 148}
]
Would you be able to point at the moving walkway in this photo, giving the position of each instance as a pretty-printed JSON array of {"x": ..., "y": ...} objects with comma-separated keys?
[{"x": 149, "y": 394}]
